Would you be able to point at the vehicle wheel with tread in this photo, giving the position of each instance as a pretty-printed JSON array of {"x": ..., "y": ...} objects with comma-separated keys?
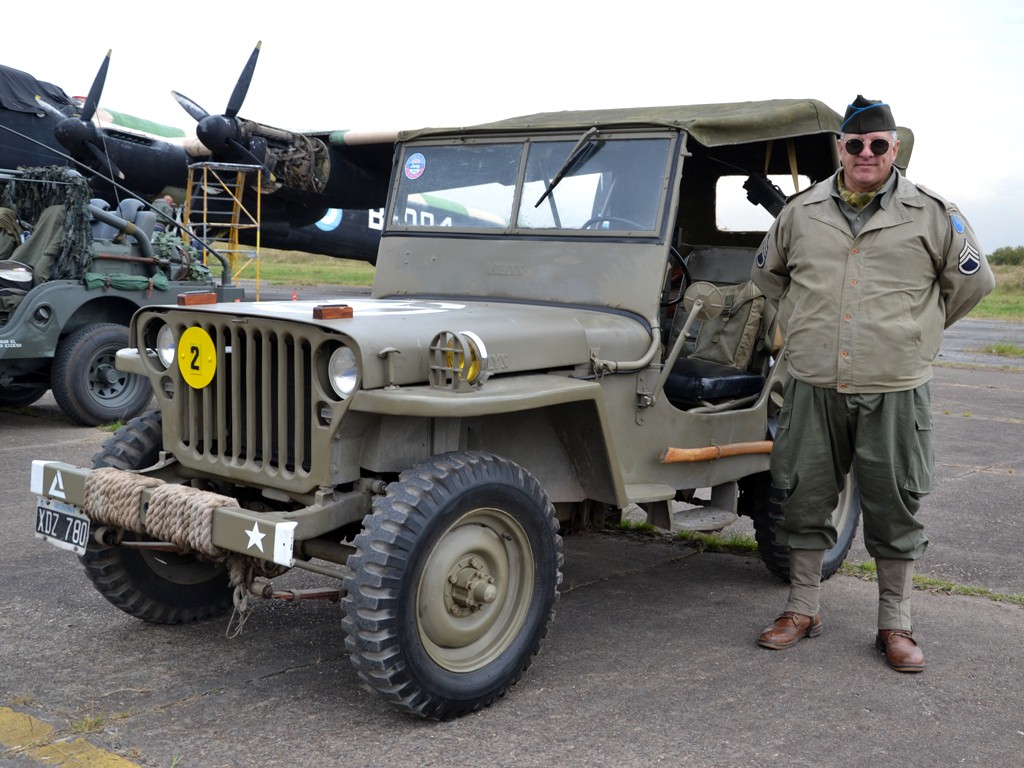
[
  {"x": 759, "y": 501},
  {"x": 20, "y": 395},
  {"x": 453, "y": 583},
  {"x": 159, "y": 587},
  {"x": 87, "y": 386}
]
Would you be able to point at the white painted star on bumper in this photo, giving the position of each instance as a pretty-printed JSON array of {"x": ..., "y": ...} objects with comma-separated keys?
[{"x": 255, "y": 537}]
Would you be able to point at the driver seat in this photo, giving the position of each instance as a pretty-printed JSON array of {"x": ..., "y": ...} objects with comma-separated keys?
[
  {"x": 699, "y": 382},
  {"x": 717, "y": 367}
]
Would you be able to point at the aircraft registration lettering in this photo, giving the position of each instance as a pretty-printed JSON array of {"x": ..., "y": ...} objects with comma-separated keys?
[{"x": 417, "y": 218}]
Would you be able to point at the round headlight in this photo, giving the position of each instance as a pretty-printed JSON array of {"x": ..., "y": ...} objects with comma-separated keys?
[
  {"x": 458, "y": 360},
  {"x": 343, "y": 371},
  {"x": 166, "y": 346},
  {"x": 467, "y": 356}
]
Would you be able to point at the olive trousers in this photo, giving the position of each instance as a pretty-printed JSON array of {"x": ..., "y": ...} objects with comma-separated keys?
[{"x": 885, "y": 437}]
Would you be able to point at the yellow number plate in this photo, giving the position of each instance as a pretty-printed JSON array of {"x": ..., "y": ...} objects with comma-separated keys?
[{"x": 197, "y": 358}]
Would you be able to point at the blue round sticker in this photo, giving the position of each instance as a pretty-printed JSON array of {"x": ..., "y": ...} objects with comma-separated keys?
[
  {"x": 415, "y": 164},
  {"x": 958, "y": 223}
]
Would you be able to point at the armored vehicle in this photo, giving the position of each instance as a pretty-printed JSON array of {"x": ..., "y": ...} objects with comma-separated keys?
[
  {"x": 72, "y": 273},
  {"x": 560, "y": 328}
]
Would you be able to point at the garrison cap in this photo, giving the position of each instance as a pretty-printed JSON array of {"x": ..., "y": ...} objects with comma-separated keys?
[{"x": 866, "y": 116}]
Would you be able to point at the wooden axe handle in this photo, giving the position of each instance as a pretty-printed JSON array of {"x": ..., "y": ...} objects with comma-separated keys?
[{"x": 712, "y": 452}]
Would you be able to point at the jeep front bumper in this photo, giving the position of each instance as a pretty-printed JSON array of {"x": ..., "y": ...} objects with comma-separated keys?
[{"x": 205, "y": 524}]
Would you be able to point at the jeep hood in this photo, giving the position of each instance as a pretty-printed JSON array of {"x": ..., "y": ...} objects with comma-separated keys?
[{"x": 518, "y": 337}]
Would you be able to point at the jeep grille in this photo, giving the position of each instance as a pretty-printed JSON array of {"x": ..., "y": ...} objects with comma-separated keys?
[{"x": 257, "y": 414}]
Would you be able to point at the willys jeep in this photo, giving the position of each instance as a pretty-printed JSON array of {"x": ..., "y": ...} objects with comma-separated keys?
[
  {"x": 72, "y": 273},
  {"x": 561, "y": 327}
]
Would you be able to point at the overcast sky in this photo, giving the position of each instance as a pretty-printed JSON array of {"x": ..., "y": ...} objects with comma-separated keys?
[{"x": 952, "y": 71}]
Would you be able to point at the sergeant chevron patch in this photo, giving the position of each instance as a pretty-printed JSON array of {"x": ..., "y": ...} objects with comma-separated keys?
[
  {"x": 762, "y": 253},
  {"x": 970, "y": 259}
]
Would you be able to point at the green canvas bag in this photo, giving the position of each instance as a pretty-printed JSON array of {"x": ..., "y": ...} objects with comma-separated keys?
[{"x": 731, "y": 338}]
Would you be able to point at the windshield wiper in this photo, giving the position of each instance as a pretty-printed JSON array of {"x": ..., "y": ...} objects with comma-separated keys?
[{"x": 582, "y": 150}]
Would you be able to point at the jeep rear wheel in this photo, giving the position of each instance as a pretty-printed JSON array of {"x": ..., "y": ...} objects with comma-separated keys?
[
  {"x": 155, "y": 586},
  {"x": 454, "y": 580},
  {"x": 759, "y": 501},
  {"x": 87, "y": 386}
]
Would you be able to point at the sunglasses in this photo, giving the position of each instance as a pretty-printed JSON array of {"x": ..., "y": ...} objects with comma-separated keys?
[{"x": 878, "y": 146}]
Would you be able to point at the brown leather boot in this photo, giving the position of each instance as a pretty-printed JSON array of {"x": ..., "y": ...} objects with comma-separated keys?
[
  {"x": 900, "y": 649},
  {"x": 788, "y": 630}
]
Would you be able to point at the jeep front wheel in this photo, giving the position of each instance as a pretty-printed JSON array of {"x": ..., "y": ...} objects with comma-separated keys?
[
  {"x": 454, "y": 580},
  {"x": 155, "y": 586},
  {"x": 87, "y": 386},
  {"x": 760, "y": 501}
]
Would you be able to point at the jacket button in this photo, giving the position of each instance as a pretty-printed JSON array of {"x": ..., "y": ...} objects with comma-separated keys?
[{"x": 855, "y": 251}]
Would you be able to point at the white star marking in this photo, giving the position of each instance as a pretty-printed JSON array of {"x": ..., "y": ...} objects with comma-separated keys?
[{"x": 255, "y": 537}]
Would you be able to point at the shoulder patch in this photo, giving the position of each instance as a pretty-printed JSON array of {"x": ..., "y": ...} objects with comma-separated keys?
[
  {"x": 958, "y": 222},
  {"x": 762, "y": 254},
  {"x": 969, "y": 259}
]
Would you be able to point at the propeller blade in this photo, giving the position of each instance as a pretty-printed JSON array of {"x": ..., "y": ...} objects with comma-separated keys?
[
  {"x": 93, "y": 99},
  {"x": 104, "y": 160},
  {"x": 244, "y": 150},
  {"x": 197, "y": 112},
  {"x": 242, "y": 86}
]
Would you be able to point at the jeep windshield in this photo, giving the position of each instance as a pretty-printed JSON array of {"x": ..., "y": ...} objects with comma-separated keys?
[{"x": 617, "y": 184}]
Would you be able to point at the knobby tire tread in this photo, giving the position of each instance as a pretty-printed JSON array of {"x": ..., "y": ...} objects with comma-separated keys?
[{"x": 383, "y": 550}]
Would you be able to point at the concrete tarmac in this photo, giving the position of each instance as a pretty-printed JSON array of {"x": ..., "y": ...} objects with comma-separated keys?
[{"x": 651, "y": 658}]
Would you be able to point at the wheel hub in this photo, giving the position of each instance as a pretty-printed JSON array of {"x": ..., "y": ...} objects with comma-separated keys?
[
  {"x": 475, "y": 590},
  {"x": 107, "y": 374},
  {"x": 469, "y": 587}
]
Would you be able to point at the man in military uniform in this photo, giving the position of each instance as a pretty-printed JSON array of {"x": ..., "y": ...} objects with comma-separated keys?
[{"x": 867, "y": 269}]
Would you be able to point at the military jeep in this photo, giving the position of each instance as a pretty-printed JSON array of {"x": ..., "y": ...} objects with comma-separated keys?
[
  {"x": 560, "y": 328},
  {"x": 72, "y": 273}
]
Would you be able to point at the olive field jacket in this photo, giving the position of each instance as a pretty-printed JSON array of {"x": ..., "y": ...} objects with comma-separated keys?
[{"x": 867, "y": 313}]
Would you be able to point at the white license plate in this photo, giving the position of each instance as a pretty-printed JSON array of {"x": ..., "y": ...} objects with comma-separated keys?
[{"x": 62, "y": 525}]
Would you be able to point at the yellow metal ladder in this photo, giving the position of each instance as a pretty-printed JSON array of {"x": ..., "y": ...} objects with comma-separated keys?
[{"x": 217, "y": 212}]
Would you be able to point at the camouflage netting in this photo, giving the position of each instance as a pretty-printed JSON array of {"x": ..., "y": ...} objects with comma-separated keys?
[
  {"x": 184, "y": 257},
  {"x": 56, "y": 185}
]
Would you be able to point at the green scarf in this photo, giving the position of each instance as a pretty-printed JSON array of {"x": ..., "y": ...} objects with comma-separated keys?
[{"x": 856, "y": 200}]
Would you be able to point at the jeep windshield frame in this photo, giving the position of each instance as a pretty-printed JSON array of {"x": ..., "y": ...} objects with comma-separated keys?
[{"x": 617, "y": 184}]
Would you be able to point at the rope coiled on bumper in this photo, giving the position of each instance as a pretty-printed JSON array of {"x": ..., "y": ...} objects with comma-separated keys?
[{"x": 178, "y": 514}]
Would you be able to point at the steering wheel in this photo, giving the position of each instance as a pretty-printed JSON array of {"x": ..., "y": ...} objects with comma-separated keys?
[
  {"x": 687, "y": 279},
  {"x": 593, "y": 220}
]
